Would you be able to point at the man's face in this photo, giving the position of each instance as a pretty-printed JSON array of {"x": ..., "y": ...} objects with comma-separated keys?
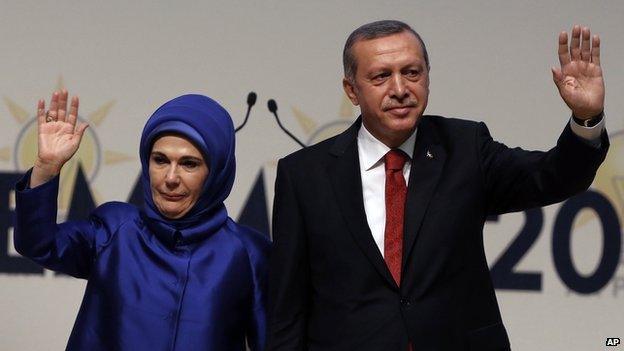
[{"x": 391, "y": 85}]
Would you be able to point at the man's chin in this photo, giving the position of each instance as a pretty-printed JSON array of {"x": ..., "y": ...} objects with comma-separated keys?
[{"x": 405, "y": 124}]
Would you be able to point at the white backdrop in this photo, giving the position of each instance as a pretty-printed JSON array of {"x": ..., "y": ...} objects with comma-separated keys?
[{"x": 490, "y": 61}]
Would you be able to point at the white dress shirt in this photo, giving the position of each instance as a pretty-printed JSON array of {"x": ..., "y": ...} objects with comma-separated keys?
[{"x": 371, "y": 153}]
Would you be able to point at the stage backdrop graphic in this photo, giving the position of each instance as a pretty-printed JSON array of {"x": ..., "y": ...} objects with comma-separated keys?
[{"x": 558, "y": 270}]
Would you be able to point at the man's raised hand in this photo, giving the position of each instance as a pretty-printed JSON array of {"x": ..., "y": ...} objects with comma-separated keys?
[{"x": 579, "y": 79}]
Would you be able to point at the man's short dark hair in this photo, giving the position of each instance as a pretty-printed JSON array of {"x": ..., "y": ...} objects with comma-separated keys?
[{"x": 374, "y": 30}]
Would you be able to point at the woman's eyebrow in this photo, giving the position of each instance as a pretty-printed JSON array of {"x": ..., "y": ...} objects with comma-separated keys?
[{"x": 193, "y": 158}]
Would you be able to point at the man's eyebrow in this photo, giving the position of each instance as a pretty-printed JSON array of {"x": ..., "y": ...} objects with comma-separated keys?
[{"x": 376, "y": 71}]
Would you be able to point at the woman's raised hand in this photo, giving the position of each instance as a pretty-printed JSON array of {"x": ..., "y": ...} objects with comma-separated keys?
[{"x": 58, "y": 136}]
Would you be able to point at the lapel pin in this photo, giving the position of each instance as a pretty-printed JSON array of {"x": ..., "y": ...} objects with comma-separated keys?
[{"x": 429, "y": 155}]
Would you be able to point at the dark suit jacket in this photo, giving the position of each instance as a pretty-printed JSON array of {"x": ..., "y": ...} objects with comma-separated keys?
[{"x": 329, "y": 287}]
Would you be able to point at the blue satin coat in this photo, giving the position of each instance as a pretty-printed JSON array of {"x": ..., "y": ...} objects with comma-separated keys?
[
  {"x": 145, "y": 293},
  {"x": 154, "y": 283}
]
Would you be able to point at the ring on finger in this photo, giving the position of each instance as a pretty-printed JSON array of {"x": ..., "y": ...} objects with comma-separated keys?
[{"x": 48, "y": 117}]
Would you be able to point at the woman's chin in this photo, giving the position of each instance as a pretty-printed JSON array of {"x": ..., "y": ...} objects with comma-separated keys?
[{"x": 172, "y": 212}]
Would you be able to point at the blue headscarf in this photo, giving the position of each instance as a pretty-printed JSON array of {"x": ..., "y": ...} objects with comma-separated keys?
[{"x": 209, "y": 126}]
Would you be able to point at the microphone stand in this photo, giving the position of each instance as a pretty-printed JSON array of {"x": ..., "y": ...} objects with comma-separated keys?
[
  {"x": 251, "y": 100},
  {"x": 272, "y": 105}
]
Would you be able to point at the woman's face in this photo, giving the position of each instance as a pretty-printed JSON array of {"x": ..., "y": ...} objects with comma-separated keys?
[{"x": 177, "y": 171}]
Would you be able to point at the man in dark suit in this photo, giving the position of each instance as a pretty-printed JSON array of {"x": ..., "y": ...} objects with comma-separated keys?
[{"x": 378, "y": 231}]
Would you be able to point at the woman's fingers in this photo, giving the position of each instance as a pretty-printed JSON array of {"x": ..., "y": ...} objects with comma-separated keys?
[
  {"x": 62, "y": 105},
  {"x": 73, "y": 111},
  {"x": 80, "y": 131},
  {"x": 53, "y": 112},
  {"x": 41, "y": 112}
]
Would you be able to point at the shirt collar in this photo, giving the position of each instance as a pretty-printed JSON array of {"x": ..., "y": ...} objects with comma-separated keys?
[{"x": 373, "y": 150}]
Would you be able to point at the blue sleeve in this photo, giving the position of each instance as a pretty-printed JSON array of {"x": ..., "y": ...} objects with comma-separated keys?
[
  {"x": 69, "y": 247},
  {"x": 258, "y": 247}
]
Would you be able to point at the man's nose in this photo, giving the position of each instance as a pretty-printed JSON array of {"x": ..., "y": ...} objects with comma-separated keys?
[{"x": 399, "y": 89}]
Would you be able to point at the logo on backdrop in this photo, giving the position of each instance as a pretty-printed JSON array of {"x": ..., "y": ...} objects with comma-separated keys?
[{"x": 603, "y": 204}]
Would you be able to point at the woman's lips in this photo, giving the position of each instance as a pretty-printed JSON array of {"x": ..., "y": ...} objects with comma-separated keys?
[{"x": 172, "y": 197}]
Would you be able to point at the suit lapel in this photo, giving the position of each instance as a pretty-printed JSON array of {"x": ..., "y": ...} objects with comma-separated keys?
[
  {"x": 427, "y": 163},
  {"x": 344, "y": 174}
]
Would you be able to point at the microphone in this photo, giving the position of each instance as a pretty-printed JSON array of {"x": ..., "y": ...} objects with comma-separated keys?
[
  {"x": 272, "y": 105},
  {"x": 251, "y": 100}
]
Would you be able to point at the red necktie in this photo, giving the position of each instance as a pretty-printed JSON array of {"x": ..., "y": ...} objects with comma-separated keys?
[{"x": 396, "y": 191}]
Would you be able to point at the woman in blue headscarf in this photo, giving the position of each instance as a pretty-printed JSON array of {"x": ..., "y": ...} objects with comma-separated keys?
[{"x": 176, "y": 275}]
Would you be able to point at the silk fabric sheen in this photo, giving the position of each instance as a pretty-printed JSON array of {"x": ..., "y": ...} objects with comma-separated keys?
[{"x": 197, "y": 283}]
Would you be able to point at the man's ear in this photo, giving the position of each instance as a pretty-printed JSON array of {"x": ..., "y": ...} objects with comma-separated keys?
[{"x": 349, "y": 89}]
